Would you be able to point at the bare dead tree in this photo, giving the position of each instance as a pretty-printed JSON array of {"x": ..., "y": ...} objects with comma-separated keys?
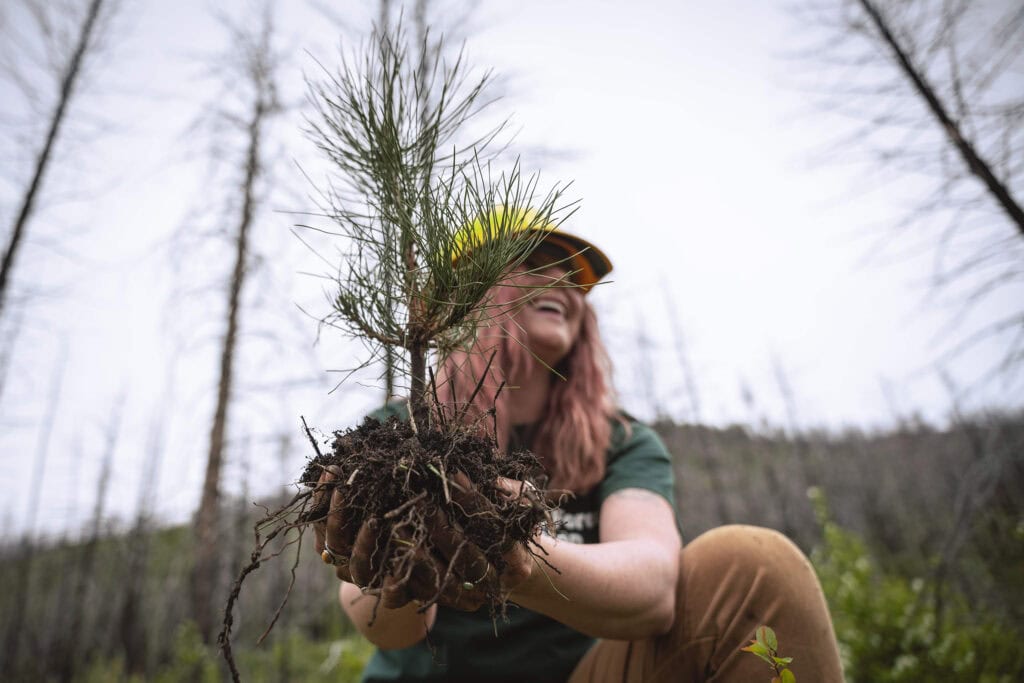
[
  {"x": 84, "y": 572},
  {"x": 801, "y": 447},
  {"x": 992, "y": 462},
  {"x": 771, "y": 468},
  {"x": 68, "y": 70},
  {"x": 130, "y": 628},
  {"x": 257, "y": 68},
  {"x": 7, "y": 349},
  {"x": 937, "y": 87},
  {"x": 709, "y": 456},
  {"x": 14, "y": 636},
  {"x": 644, "y": 365},
  {"x": 955, "y": 128}
]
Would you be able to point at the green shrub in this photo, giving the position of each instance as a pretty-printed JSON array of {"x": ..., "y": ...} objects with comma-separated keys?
[
  {"x": 295, "y": 657},
  {"x": 191, "y": 660},
  {"x": 897, "y": 629},
  {"x": 286, "y": 656}
]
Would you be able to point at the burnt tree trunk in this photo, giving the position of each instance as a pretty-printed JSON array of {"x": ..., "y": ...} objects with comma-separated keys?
[
  {"x": 206, "y": 571},
  {"x": 7, "y": 351},
  {"x": 26, "y": 554},
  {"x": 132, "y": 629},
  {"x": 67, "y": 86},
  {"x": 708, "y": 452},
  {"x": 85, "y": 573}
]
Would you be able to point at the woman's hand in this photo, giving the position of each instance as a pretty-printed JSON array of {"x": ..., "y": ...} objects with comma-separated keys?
[
  {"x": 478, "y": 577},
  {"x": 393, "y": 554},
  {"x": 332, "y": 544}
]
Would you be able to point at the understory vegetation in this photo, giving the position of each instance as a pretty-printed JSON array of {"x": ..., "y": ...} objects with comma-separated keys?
[{"x": 916, "y": 533}]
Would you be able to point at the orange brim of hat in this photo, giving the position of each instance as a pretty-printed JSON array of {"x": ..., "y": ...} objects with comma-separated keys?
[{"x": 587, "y": 264}]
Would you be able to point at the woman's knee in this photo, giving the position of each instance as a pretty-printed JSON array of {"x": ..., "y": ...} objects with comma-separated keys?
[
  {"x": 745, "y": 545},
  {"x": 735, "y": 578},
  {"x": 748, "y": 559}
]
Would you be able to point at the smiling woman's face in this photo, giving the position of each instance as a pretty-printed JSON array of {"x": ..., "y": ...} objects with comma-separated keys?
[{"x": 551, "y": 315}]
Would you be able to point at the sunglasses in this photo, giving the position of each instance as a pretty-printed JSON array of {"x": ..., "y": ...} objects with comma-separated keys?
[{"x": 546, "y": 255}]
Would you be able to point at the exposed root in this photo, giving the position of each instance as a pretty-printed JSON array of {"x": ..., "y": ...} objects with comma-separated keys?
[
  {"x": 406, "y": 481},
  {"x": 279, "y": 522}
]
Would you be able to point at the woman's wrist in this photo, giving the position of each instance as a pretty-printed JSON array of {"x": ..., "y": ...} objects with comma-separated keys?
[{"x": 387, "y": 628}]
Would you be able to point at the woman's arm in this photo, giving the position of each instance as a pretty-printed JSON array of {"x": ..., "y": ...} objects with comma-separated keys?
[
  {"x": 392, "y": 628},
  {"x": 622, "y": 588}
]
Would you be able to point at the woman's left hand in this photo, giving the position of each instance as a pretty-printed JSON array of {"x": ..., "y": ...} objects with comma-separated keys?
[{"x": 474, "y": 576}]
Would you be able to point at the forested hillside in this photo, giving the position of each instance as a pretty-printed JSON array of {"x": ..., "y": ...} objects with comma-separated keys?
[{"x": 917, "y": 534}]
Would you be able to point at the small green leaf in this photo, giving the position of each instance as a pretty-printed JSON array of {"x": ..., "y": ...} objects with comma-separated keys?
[
  {"x": 756, "y": 648},
  {"x": 761, "y": 651},
  {"x": 760, "y": 636},
  {"x": 783, "y": 660},
  {"x": 766, "y": 636},
  {"x": 788, "y": 676}
]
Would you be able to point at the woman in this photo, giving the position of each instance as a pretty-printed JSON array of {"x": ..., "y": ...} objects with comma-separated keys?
[{"x": 627, "y": 602}]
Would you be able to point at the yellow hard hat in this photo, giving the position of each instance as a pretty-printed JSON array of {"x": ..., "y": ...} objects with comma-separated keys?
[{"x": 586, "y": 263}]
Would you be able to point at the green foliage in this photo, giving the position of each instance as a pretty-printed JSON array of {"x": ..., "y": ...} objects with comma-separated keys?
[
  {"x": 295, "y": 657},
  {"x": 766, "y": 646},
  {"x": 895, "y": 629},
  {"x": 289, "y": 657},
  {"x": 191, "y": 660},
  {"x": 876, "y": 546}
]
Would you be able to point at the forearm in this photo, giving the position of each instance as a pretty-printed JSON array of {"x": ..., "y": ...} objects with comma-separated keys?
[
  {"x": 621, "y": 590},
  {"x": 388, "y": 629}
]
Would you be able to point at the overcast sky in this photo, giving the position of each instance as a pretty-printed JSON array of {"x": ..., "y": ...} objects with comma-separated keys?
[{"x": 698, "y": 156}]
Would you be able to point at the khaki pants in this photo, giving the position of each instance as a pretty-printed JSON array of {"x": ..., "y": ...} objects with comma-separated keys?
[{"x": 732, "y": 580}]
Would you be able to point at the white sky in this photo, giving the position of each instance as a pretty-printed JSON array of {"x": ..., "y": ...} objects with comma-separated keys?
[{"x": 686, "y": 138}]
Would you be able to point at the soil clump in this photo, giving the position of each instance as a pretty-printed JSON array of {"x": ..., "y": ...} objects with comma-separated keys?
[{"x": 407, "y": 480}]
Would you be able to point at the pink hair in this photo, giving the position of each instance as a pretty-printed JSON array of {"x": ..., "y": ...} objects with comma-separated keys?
[{"x": 574, "y": 431}]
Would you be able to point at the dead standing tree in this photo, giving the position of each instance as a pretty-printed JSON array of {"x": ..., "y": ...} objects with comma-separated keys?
[
  {"x": 955, "y": 126},
  {"x": 73, "y": 643},
  {"x": 938, "y": 87},
  {"x": 708, "y": 451},
  {"x": 22, "y": 591},
  {"x": 131, "y": 627},
  {"x": 256, "y": 70},
  {"x": 68, "y": 72}
]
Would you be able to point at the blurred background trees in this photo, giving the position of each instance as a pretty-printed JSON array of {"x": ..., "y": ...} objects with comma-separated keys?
[
  {"x": 936, "y": 94},
  {"x": 48, "y": 69}
]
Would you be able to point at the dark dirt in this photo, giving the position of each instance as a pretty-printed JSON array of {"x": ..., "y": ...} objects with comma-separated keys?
[
  {"x": 404, "y": 482},
  {"x": 382, "y": 467}
]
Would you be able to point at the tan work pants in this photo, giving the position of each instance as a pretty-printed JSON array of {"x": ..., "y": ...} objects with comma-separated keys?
[{"x": 732, "y": 580}]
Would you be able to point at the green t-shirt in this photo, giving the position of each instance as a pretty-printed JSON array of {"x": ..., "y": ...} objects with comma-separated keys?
[{"x": 469, "y": 646}]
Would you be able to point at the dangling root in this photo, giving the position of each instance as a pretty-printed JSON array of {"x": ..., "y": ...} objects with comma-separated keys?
[{"x": 405, "y": 480}]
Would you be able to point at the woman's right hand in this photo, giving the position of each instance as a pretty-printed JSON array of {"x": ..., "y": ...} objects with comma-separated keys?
[
  {"x": 332, "y": 544},
  {"x": 456, "y": 575}
]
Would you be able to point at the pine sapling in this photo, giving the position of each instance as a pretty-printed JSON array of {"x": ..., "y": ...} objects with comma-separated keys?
[{"x": 430, "y": 229}]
